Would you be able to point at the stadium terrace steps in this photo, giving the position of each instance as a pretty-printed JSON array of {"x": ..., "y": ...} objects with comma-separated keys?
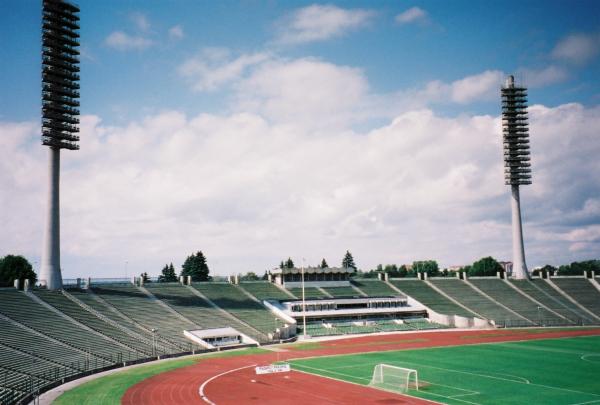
[
  {"x": 582, "y": 291},
  {"x": 194, "y": 307},
  {"x": 503, "y": 293},
  {"x": 429, "y": 297},
  {"x": 467, "y": 296},
  {"x": 22, "y": 308},
  {"x": 79, "y": 314},
  {"x": 542, "y": 292},
  {"x": 264, "y": 290},
  {"x": 309, "y": 292},
  {"x": 139, "y": 307},
  {"x": 26, "y": 341},
  {"x": 375, "y": 288},
  {"x": 93, "y": 304},
  {"x": 249, "y": 312},
  {"x": 324, "y": 292},
  {"x": 342, "y": 292}
]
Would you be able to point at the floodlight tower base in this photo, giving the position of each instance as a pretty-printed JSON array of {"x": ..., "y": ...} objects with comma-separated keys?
[
  {"x": 50, "y": 274},
  {"x": 519, "y": 269}
]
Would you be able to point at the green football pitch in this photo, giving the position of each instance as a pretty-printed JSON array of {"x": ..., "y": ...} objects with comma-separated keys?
[{"x": 551, "y": 371}]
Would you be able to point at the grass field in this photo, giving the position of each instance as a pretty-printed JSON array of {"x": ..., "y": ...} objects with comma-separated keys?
[
  {"x": 551, "y": 371},
  {"x": 108, "y": 390}
]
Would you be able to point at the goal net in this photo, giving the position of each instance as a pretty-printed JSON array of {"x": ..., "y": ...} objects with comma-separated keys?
[{"x": 392, "y": 378}]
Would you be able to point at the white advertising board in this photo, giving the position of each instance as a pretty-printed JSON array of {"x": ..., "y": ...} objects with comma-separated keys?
[{"x": 273, "y": 368}]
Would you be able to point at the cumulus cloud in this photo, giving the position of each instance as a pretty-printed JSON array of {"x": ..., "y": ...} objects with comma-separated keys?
[
  {"x": 412, "y": 15},
  {"x": 321, "y": 22},
  {"x": 309, "y": 92},
  {"x": 214, "y": 67},
  {"x": 577, "y": 48},
  {"x": 248, "y": 190},
  {"x": 123, "y": 42},
  {"x": 176, "y": 32}
]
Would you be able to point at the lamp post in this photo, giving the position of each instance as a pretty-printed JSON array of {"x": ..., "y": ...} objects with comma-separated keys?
[{"x": 303, "y": 302}]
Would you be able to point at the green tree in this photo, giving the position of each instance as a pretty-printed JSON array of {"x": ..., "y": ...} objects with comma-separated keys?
[
  {"x": 250, "y": 276},
  {"x": 282, "y": 265},
  {"x": 15, "y": 267},
  {"x": 348, "y": 261},
  {"x": 402, "y": 271},
  {"x": 265, "y": 276},
  {"x": 168, "y": 274},
  {"x": 427, "y": 266},
  {"x": 144, "y": 277},
  {"x": 196, "y": 267},
  {"x": 289, "y": 264},
  {"x": 486, "y": 266},
  {"x": 324, "y": 264}
]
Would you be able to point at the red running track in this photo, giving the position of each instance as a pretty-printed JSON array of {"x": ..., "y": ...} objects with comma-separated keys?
[{"x": 233, "y": 381}]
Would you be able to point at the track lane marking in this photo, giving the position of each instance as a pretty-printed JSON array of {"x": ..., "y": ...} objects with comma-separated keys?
[{"x": 214, "y": 377}]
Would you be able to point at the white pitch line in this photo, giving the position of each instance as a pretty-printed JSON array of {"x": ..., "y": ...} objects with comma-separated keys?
[{"x": 214, "y": 377}]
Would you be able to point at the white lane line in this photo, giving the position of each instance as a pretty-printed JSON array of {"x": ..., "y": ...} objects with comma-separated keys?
[{"x": 214, "y": 377}]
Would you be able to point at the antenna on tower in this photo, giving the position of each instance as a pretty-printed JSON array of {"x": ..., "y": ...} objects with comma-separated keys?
[
  {"x": 517, "y": 166},
  {"x": 60, "y": 85}
]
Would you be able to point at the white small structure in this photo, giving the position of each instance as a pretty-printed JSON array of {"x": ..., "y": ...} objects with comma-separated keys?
[{"x": 219, "y": 337}]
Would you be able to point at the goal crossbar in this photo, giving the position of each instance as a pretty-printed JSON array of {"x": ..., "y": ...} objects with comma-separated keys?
[{"x": 394, "y": 378}]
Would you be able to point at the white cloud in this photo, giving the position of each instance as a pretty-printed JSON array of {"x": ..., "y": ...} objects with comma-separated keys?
[
  {"x": 477, "y": 87},
  {"x": 543, "y": 77},
  {"x": 307, "y": 91},
  {"x": 413, "y": 14},
  {"x": 577, "y": 48},
  {"x": 249, "y": 191},
  {"x": 121, "y": 41},
  {"x": 215, "y": 67},
  {"x": 141, "y": 21},
  {"x": 321, "y": 22},
  {"x": 176, "y": 32}
]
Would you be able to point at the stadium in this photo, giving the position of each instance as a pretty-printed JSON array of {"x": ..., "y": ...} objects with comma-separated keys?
[
  {"x": 487, "y": 333},
  {"x": 473, "y": 340}
]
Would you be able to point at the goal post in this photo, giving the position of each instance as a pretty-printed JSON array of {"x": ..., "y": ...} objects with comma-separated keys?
[{"x": 393, "y": 378}]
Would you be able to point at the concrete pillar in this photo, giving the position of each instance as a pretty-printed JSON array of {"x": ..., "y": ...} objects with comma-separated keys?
[
  {"x": 380, "y": 276},
  {"x": 236, "y": 279},
  {"x": 141, "y": 281},
  {"x": 458, "y": 275},
  {"x": 386, "y": 277},
  {"x": 50, "y": 275},
  {"x": 270, "y": 277},
  {"x": 189, "y": 280},
  {"x": 17, "y": 284},
  {"x": 593, "y": 274},
  {"x": 425, "y": 275},
  {"x": 499, "y": 274},
  {"x": 519, "y": 265},
  {"x": 27, "y": 285},
  {"x": 182, "y": 280}
]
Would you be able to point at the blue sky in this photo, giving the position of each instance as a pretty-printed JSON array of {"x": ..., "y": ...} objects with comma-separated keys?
[{"x": 308, "y": 122}]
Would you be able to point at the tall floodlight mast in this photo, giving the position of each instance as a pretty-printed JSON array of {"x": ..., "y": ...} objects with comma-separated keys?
[
  {"x": 517, "y": 166},
  {"x": 60, "y": 85}
]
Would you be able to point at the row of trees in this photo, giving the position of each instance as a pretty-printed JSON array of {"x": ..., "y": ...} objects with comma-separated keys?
[
  {"x": 486, "y": 266},
  {"x": 573, "y": 269},
  {"x": 347, "y": 262},
  {"x": 195, "y": 266}
]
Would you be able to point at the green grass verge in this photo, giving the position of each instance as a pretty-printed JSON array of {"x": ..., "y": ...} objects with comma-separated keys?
[
  {"x": 550, "y": 371},
  {"x": 108, "y": 390}
]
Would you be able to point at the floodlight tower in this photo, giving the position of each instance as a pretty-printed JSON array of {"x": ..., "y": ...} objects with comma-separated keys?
[
  {"x": 517, "y": 166},
  {"x": 60, "y": 85}
]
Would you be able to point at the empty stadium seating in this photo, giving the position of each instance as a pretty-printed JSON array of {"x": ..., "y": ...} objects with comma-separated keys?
[
  {"x": 342, "y": 292},
  {"x": 136, "y": 305},
  {"x": 546, "y": 295},
  {"x": 582, "y": 291},
  {"x": 263, "y": 290},
  {"x": 463, "y": 293},
  {"x": 375, "y": 288},
  {"x": 250, "y": 312},
  {"x": 426, "y": 295},
  {"x": 309, "y": 292},
  {"x": 508, "y": 296}
]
